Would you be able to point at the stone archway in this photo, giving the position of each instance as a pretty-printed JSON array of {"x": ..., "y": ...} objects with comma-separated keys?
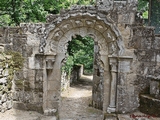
[{"x": 108, "y": 43}]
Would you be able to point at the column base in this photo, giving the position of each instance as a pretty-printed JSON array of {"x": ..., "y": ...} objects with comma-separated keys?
[{"x": 111, "y": 109}]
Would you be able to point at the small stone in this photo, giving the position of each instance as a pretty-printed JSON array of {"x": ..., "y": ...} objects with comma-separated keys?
[
  {"x": 9, "y": 104},
  {"x": 4, "y": 107},
  {"x": 50, "y": 112},
  {"x": 3, "y": 110},
  {"x": 4, "y": 97},
  {"x": 3, "y": 80}
]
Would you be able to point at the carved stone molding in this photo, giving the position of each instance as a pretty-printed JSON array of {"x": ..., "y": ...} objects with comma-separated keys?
[{"x": 96, "y": 28}]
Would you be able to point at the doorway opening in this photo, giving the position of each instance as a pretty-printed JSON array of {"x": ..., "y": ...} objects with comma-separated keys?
[
  {"x": 78, "y": 61},
  {"x": 77, "y": 78}
]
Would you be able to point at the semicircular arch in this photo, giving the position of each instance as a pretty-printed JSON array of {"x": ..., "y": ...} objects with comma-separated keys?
[{"x": 106, "y": 35}]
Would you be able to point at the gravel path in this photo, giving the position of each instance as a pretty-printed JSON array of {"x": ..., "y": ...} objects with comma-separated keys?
[{"x": 75, "y": 102}]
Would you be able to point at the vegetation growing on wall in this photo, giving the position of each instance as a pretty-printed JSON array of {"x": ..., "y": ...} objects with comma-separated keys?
[{"x": 10, "y": 62}]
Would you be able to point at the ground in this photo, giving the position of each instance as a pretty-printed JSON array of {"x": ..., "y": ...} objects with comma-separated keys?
[
  {"x": 75, "y": 105},
  {"x": 77, "y": 100}
]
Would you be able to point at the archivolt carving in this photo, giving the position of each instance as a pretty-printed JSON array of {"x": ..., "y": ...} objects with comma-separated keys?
[
  {"x": 90, "y": 23},
  {"x": 62, "y": 47},
  {"x": 53, "y": 46},
  {"x": 100, "y": 28}
]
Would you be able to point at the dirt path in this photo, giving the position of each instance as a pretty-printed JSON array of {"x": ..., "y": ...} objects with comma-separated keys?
[{"x": 75, "y": 102}]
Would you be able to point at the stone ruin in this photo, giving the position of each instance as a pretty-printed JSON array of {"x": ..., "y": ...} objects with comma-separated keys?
[{"x": 125, "y": 54}]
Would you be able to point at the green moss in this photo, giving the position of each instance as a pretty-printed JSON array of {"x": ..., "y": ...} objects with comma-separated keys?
[
  {"x": 16, "y": 61},
  {"x": 11, "y": 61},
  {"x": 19, "y": 82},
  {"x": 9, "y": 85}
]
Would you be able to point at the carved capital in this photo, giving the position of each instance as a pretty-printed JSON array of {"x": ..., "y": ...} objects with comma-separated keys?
[
  {"x": 50, "y": 59},
  {"x": 113, "y": 64}
]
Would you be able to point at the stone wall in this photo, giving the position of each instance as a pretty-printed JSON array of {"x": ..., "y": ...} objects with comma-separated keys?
[
  {"x": 6, "y": 100},
  {"x": 67, "y": 80},
  {"x": 27, "y": 92},
  {"x": 134, "y": 76},
  {"x": 126, "y": 54},
  {"x": 76, "y": 73}
]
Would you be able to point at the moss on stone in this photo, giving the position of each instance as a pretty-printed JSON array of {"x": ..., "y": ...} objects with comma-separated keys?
[
  {"x": 11, "y": 61},
  {"x": 18, "y": 82},
  {"x": 9, "y": 85}
]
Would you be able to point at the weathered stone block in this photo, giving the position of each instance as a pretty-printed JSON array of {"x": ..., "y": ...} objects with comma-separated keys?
[
  {"x": 4, "y": 98},
  {"x": 50, "y": 112},
  {"x": 38, "y": 97},
  {"x": 19, "y": 105},
  {"x": 26, "y": 85},
  {"x": 39, "y": 64},
  {"x": 149, "y": 105},
  {"x": 154, "y": 87},
  {"x": 35, "y": 107},
  {"x": 31, "y": 62},
  {"x": 9, "y": 104},
  {"x": 38, "y": 75},
  {"x": 18, "y": 84}
]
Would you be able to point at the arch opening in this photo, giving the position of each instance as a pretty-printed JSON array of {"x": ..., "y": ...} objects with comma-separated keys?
[
  {"x": 107, "y": 42},
  {"x": 77, "y": 76}
]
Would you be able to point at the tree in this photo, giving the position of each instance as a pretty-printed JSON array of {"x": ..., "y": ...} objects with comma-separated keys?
[
  {"x": 13, "y": 12},
  {"x": 17, "y": 11},
  {"x": 143, "y": 6},
  {"x": 80, "y": 51}
]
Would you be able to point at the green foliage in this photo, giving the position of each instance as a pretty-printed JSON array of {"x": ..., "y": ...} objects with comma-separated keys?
[
  {"x": 17, "y": 11},
  {"x": 80, "y": 51},
  {"x": 14, "y": 12},
  {"x": 68, "y": 65},
  {"x": 143, "y": 6},
  {"x": 54, "y": 6}
]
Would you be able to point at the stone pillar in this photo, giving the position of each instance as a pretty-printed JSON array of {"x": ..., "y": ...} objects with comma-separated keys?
[
  {"x": 106, "y": 81},
  {"x": 113, "y": 70},
  {"x": 48, "y": 85}
]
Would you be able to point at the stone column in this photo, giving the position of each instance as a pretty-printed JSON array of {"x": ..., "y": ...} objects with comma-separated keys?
[
  {"x": 113, "y": 70},
  {"x": 48, "y": 85}
]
